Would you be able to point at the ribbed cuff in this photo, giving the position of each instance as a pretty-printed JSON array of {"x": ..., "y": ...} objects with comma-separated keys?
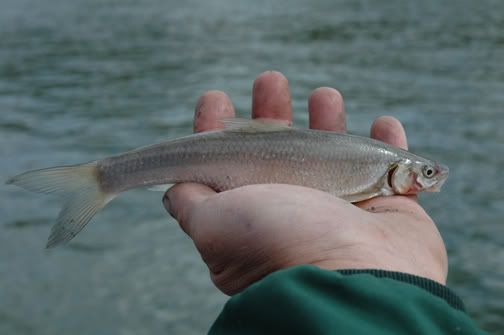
[{"x": 429, "y": 285}]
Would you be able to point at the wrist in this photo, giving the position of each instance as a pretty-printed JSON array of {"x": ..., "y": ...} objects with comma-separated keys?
[
  {"x": 427, "y": 284},
  {"x": 434, "y": 273},
  {"x": 433, "y": 266}
]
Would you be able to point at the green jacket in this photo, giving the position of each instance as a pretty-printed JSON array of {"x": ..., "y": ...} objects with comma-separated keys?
[{"x": 308, "y": 300}]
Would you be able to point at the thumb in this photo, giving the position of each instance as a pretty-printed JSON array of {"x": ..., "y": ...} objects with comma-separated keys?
[{"x": 180, "y": 202}]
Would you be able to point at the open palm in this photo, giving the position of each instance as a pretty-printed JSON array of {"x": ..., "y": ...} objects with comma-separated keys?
[{"x": 248, "y": 232}]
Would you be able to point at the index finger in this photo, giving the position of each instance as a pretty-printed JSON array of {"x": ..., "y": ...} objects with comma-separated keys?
[{"x": 389, "y": 130}]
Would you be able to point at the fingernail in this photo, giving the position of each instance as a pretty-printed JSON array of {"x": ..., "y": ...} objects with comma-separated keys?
[{"x": 166, "y": 203}]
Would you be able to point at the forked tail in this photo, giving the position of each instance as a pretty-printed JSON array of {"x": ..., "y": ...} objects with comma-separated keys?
[{"x": 78, "y": 186}]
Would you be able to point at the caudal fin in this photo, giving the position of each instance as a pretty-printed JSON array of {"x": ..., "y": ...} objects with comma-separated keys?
[{"x": 78, "y": 185}]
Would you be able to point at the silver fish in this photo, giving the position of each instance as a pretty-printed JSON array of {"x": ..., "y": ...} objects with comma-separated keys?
[{"x": 246, "y": 152}]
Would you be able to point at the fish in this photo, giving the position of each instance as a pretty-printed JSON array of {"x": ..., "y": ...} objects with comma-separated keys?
[{"x": 244, "y": 152}]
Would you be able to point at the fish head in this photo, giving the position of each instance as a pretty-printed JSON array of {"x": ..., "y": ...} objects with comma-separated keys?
[{"x": 411, "y": 177}]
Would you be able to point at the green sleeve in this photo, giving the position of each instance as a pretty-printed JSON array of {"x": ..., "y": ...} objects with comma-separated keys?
[{"x": 309, "y": 300}]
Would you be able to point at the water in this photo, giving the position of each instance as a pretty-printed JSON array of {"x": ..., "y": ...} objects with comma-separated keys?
[{"x": 84, "y": 79}]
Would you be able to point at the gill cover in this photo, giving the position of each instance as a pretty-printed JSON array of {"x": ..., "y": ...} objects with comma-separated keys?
[{"x": 402, "y": 178}]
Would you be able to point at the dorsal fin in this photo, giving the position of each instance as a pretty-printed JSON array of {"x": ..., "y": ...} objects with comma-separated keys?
[{"x": 255, "y": 125}]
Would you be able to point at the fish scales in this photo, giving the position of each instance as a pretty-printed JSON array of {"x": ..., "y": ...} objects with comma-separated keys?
[{"x": 226, "y": 160}]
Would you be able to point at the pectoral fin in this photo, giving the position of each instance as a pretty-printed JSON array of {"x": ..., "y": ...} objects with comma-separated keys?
[{"x": 361, "y": 196}]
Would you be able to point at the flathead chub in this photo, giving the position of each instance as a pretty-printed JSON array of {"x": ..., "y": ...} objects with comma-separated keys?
[{"x": 246, "y": 152}]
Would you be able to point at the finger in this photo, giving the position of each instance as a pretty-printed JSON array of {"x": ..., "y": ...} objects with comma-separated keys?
[
  {"x": 181, "y": 199},
  {"x": 326, "y": 110},
  {"x": 389, "y": 130},
  {"x": 212, "y": 107},
  {"x": 271, "y": 97}
]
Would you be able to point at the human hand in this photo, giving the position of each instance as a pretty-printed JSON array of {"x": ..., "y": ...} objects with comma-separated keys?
[{"x": 248, "y": 232}]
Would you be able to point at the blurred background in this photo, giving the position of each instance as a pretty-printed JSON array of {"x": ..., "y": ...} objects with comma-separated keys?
[{"x": 83, "y": 79}]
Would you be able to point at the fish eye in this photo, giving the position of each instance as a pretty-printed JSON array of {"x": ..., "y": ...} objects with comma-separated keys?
[{"x": 428, "y": 171}]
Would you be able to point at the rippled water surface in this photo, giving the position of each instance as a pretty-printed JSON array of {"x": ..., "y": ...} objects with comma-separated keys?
[{"x": 83, "y": 79}]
